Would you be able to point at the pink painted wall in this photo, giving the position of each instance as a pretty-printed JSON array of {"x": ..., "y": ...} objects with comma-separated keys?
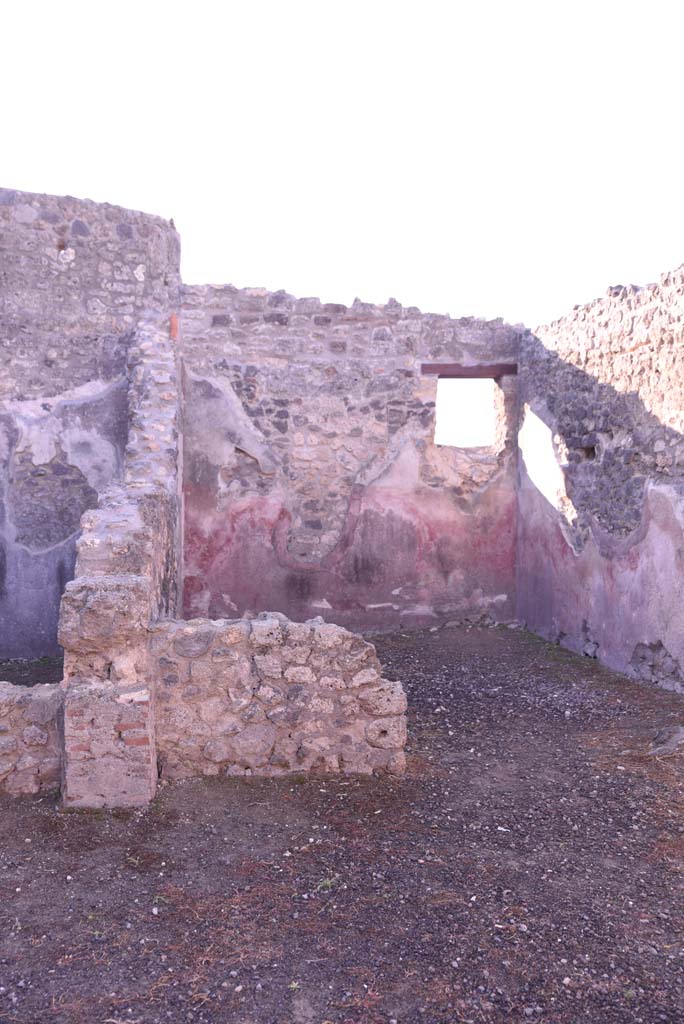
[
  {"x": 405, "y": 555},
  {"x": 620, "y": 601},
  {"x": 312, "y": 484},
  {"x": 601, "y": 491}
]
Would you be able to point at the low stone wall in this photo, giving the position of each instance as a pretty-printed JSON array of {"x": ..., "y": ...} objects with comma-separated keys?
[
  {"x": 30, "y": 746},
  {"x": 270, "y": 696},
  {"x": 230, "y": 697}
]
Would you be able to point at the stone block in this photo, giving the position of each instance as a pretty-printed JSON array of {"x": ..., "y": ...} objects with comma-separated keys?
[
  {"x": 387, "y": 699},
  {"x": 194, "y": 639},
  {"x": 104, "y": 614},
  {"x": 269, "y": 666},
  {"x": 249, "y": 748},
  {"x": 230, "y": 633},
  {"x": 266, "y": 632},
  {"x": 8, "y": 744},
  {"x": 33, "y": 736},
  {"x": 387, "y": 732},
  {"x": 42, "y": 704},
  {"x": 366, "y": 676},
  {"x": 300, "y": 674}
]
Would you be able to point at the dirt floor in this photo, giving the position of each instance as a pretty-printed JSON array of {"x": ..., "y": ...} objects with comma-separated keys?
[{"x": 529, "y": 867}]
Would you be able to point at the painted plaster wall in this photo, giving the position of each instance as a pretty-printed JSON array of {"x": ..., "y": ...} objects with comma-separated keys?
[
  {"x": 74, "y": 279},
  {"x": 601, "y": 525},
  {"x": 312, "y": 484}
]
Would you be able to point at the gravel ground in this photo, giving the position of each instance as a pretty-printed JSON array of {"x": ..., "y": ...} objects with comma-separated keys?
[{"x": 529, "y": 867}]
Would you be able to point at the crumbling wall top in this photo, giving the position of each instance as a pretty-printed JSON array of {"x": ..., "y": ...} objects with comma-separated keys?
[
  {"x": 76, "y": 276},
  {"x": 255, "y": 321}
]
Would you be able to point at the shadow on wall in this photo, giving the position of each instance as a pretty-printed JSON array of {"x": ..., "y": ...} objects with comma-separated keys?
[{"x": 601, "y": 505}]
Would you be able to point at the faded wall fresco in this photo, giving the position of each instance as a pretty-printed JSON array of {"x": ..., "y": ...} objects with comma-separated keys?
[
  {"x": 601, "y": 525},
  {"x": 312, "y": 483}
]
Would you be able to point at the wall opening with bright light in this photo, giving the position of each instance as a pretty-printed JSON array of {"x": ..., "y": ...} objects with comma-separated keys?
[{"x": 466, "y": 412}]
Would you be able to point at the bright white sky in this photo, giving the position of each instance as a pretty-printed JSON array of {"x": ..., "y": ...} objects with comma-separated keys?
[
  {"x": 480, "y": 158},
  {"x": 465, "y": 412}
]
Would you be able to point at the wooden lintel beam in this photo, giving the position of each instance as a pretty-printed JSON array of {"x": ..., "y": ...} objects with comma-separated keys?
[{"x": 459, "y": 370}]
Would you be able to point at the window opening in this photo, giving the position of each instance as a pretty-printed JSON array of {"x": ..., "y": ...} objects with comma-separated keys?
[{"x": 466, "y": 412}]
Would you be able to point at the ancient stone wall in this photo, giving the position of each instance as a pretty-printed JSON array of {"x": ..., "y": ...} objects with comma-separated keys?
[
  {"x": 303, "y": 434},
  {"x": 312, "y": 483},
  {"x": 602, "y": 480},
  {"x": 75, "y": 278},
  {"x": 269, "y": 696},
  {"x": 127, "y": 573},
  {"x": 30, "y": 744}
]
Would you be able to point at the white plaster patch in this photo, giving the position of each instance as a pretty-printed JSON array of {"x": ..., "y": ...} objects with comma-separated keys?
[
  {"x": 42, "y": 434},
  {"x": 133, "y": 697},
  {"x": 92, "y": 454}
]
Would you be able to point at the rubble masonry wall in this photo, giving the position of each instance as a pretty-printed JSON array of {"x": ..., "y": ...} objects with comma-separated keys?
[
  {"x": 312, "y": 483},
  {"x": 303, "y": 436},
  {"x": 30, "y": 742},
  {"x": 600, "y": 554},
  {"x": 270, "y": 696},
  {"x": 75, "y": 278},
  {"x": 127, "y": 573}
]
